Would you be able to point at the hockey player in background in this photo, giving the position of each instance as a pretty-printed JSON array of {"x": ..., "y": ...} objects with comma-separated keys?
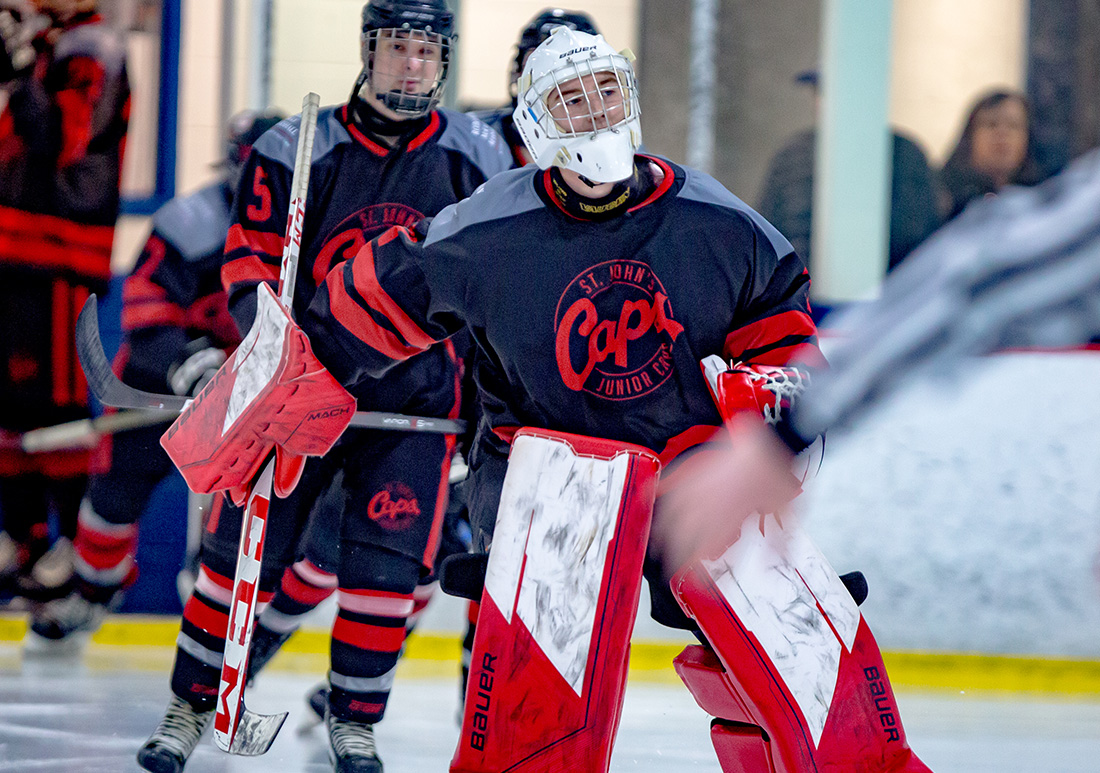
[
  {"x": 594, "y": 282},
  {"x": 387, "y": 157},
  {"x": 177, "y": 331},
  {"x": 62, "y": 135},
  {"x": 536, "y": 31},
  {"x": 1017, "y": 271}
]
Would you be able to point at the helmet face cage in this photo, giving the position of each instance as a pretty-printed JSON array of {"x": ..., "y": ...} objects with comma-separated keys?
[
  {"x": 406, "y": 67},
  {"x": 606, "y": 98}
]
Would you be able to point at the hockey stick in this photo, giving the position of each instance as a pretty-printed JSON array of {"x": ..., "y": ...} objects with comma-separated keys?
[
  {"x": 111, "y": 390},
  {"x": 79, "y": 434},
  {"x": 236, "y": 729}
]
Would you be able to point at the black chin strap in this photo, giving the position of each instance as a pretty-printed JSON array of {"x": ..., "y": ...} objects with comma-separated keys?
[
  {"x": 622, "y": 196},
  {"x": 371, "y": 122}
]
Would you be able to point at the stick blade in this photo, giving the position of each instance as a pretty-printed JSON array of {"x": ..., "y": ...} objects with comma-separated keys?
[
  {"x": 105, "y": 385},
  {"x": 254, "y": 735}
]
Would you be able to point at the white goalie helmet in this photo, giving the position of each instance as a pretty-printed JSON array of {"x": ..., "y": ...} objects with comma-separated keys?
[{"x": 578, "y": 107}]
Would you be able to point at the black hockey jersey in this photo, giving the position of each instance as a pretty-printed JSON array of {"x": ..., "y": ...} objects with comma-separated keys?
[
  {"x": 595, "y": 328},
  {"x": 357, "y": 189},
  {"x": 174, "y": 294}
]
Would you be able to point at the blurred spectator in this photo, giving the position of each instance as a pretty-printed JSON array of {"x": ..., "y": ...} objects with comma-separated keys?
[
  {"x": 176, "y": 333},
  {"x": 61, "y": 141},
  {"x": 996, "y": 149},
  {"x": 787, "y": 196}
]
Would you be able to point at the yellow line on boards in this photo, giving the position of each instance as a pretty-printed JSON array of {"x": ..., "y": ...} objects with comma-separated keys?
[{"x": 432, "y": 654}]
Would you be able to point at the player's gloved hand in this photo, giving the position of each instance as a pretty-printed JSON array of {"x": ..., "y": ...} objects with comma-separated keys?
[
  {"x": 766, "y": 390},
  {"x": 200, "y": 361}
]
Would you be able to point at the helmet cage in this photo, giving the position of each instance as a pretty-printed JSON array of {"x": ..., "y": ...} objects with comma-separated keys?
[
  {"x": 593, "y": 116},
  {"x": 402, "y": 46}
]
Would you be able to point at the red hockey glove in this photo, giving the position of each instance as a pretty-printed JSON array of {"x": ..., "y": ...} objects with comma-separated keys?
[
  {"x": 271, "y": 393},
  {"x": 766, "y": 390}
]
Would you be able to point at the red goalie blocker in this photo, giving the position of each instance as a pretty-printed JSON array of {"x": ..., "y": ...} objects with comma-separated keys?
[
  {"x": 272, "y": 393},
  {"x": 795, "y": 678},
  {"x": 550, "y": 656}
]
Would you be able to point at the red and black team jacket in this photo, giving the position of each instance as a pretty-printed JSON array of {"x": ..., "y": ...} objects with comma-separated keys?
[
  {"x": 174, "y": 295},
  {"x": 61, "y": 145},
  {"x": 62, "y": 135},
  {"x": 595, "y": 328},
  {"x": 357, "y": 189}
]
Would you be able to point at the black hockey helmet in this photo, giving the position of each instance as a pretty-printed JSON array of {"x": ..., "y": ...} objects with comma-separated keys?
[
  {"x": 428, "y": 15},
  {"x": 244, "y": 129},
  {"x": 538, "y": 30},
  {"x": 428, "y": 20}
]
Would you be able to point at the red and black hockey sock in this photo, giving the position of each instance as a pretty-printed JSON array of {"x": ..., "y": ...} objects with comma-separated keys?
[
  {"x": 201, "y": 643},
  {"x": 105, "y": 554},
  {"x": 421, "y": 597},
  {"x": 369, "y": 632},
  {"x": 303, "y": 586}
]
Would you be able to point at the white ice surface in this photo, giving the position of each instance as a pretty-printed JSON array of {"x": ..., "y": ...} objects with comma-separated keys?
[{"x": 76, "y": 717}]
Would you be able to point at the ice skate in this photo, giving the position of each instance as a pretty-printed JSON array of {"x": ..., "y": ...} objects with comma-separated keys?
[
  {"x": 175, "y": 738},
  {"x": 63, "y": 618},
  {"x": 9, "y": 558},
  {"x": 52, "y": 574},
  {"x": 352, "y": 747}
]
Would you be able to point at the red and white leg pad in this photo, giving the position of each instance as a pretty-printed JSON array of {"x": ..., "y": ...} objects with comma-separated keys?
[
  {"x": 549, "y": 663},
  {"x": 795, "y": 680}
]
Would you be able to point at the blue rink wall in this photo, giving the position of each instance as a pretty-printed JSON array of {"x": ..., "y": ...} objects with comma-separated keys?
[{"x": 972, "y": 505}]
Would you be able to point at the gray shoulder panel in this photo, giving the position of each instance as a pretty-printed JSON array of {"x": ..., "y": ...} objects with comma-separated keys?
[
  {"x": 280, "y": 143},
  {"x": 195, "y": 225},
  {"x": 701, "y": 187},
  {"x": 477, "y": 141},
  {"x": 97, "y": 41},
  {"x": 505, "y": 195}
]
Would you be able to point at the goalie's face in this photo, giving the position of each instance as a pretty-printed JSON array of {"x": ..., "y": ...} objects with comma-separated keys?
[
  {"x": 589, "y": 103},
  {"x": 406, "y": 71}
]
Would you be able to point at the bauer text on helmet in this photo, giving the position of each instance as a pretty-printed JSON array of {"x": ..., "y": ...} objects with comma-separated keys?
[
  {"x": 578, "y": 107},
  {"x": 406, "y": 51}
]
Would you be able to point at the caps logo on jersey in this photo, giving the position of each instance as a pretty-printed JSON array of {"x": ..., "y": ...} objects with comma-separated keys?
[
  {"x": 357, "y": 229},
  {"x": 614, "y": 331},
  {"x": 394, "y": 508}
]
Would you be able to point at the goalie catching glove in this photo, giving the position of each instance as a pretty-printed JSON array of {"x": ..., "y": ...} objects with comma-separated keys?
[
  {"x": 737, "y": 387},
  {"x": 272, "y": 393}
]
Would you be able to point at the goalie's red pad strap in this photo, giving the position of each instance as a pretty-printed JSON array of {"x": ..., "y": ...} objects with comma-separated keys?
[
  {"x": 550, "y": 655},
  {"x": 794, "y": 657},
  {"x": 272, "y": 391}
]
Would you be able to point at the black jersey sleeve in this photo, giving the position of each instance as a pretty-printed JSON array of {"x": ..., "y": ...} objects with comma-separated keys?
[
  {"x": 254, "y": 245},
  {"x": 773, "y": 325},
  {"x": 378, "y": 308}
]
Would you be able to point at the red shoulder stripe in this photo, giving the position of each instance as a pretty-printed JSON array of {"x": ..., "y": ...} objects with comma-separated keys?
[
  {"x": 768, "y": 332},
  {"x": 367, "y": 285},
  {"x": 253, "y": 241},
  {"x": 358, "y": 321},
  {"x": 248, "y": 269}
]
